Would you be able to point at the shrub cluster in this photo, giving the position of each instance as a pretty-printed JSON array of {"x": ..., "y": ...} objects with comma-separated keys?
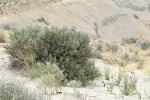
[
  {"x": 13, "y": 91},
  {"x": 68, "y": 49},
  {"x": 112, "y": 47},
  {"x": 130, "y": 57},
  {"x": 144, "y": 44},
  {"x": 129, "y": 40}
]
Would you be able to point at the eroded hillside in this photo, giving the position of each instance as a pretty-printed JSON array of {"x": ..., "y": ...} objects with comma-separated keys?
[
  {"x": 56, "y": 63},
  {"x": 108, "y": 19}
]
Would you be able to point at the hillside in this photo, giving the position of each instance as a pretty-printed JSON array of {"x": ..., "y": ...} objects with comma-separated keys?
[
  {"x": 115, "y": 19},
  {"x": 41, "y": 62}
]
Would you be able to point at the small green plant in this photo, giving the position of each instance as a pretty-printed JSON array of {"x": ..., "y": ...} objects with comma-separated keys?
[
  {"x": 135, "y": 58},
  {"x": 74, "y": 84},
  {"x": 135, "y": 16},
  {"x": 107, "y": 73},
  {"x": 2, "y": 38},
  {"x": 96, "y": 29},
  {"x": 110, "y": 88},
  {"x": 133, "y": 82},
  {"x": 135, "y": 50},
  {"x": 120, "y": 77},
  {"x": 99, "y": 47},
  {"x": 126, "y": 56},
  {"x": 129, "y": 85},
  {"x": 141, "y": 64},
  {"x": 42, "y": 19}
]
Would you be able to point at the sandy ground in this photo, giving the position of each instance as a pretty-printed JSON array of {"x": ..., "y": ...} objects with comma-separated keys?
[{"x": 95, "y": 92}]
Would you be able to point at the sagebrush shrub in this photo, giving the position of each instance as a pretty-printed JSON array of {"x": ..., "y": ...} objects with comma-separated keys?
[
  {"x": 112, "y": 47},
  {"x": 144, "y": 44},
  {"x": 15, "y": 91},
  {"x": 129, "y": 40},
  {"x": 69, "y": 49}
]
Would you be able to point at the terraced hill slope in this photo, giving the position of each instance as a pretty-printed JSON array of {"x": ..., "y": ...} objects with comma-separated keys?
[{"x": 108, "y": 19}]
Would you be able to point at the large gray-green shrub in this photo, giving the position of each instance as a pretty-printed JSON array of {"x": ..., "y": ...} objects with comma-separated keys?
[{"x": 69, "y": 49}]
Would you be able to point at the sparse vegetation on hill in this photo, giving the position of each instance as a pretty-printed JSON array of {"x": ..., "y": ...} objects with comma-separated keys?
[{"x": 130, "y": 51}]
